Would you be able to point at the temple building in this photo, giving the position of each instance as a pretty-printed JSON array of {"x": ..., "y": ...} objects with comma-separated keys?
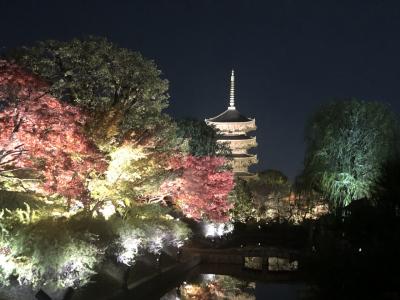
[{"x": 234, "y": 129}]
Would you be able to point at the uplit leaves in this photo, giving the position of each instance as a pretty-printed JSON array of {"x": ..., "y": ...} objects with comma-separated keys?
[
  {"x": 201, "y": 190},
  {"x": 134, "y": 174},
  {"x": 47, "y": 137},
  {"x": 36, "y": 254},
  {"x": 90, "y": 143},
  {"x": 146, "y": 228},
  {"x": 59, "y": 252},
  {"x": 44, "y": 256},
  {"x": 243, "y": 206},
  {"x": 348, "y": 143},
  {"x": 119, "y": 87}
]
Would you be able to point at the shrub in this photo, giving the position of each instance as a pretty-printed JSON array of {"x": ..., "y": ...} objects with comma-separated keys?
[
  {"x": 146, "y": 228},
  {"x": 46, "y": 252}
]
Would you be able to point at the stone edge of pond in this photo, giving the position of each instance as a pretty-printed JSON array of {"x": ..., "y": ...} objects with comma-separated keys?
[{"x": 148, "y": 284}]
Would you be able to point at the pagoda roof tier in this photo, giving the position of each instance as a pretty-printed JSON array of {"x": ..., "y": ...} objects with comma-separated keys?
[
  {"x": 242, "y": 155},
  {"x": 235, "y": 137},
  {"x": 229, "y": 115},
  {"x": 241, "y": 160},
  {"x": 245, "y": 175},
  {"x": 233, "y": 128},
  {"x": 239, "y": 145}
]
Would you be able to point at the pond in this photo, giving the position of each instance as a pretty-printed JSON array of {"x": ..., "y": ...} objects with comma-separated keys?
[{"x": 216, "y": 287}]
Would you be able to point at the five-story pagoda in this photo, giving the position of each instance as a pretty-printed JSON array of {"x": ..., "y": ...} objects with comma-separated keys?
[{"x": 233, "y": 129}]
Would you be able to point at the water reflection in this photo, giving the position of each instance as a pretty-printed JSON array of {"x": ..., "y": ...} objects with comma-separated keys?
[{"x": 223, "y": 287}]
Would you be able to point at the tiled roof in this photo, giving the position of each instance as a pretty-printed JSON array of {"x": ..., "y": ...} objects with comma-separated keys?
[{"x": 230, "y": 115}]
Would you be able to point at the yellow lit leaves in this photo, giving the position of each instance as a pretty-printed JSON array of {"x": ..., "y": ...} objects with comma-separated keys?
[
  {"x": 133, "y": 173},
  {"x": 122, "y": 163}
]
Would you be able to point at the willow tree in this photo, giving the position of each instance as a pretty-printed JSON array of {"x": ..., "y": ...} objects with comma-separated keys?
[{"x": 348, "y": 143}]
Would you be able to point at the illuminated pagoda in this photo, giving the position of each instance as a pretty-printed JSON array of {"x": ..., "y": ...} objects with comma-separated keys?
[{"x": 233, "y": 129}]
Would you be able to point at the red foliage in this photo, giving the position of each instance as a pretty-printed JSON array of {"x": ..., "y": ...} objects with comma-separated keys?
[
  {"x": 202, "y": 189},
  {"x": 49, "y": 131}
]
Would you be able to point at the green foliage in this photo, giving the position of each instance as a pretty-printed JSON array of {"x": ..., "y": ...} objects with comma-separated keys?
[
  {"x": 348, "y": 142},
  {"x": 13, "y": 200},
  {"x": 146, "y": 228},
  {"x": 44, "y": 256},
  {"x": 198, "y": 139},
  {"x": 242, "y": 198},
  {"x": 123, "y": 96},
  {"x": 272, "y": 184},
  {"x": 269, "y": 197},
  {"x": 134, "y": 174},
  {"x": 45, "y": 251},
  {"x": 58, "y": 252},
  {"x": 119, "y": 87}
]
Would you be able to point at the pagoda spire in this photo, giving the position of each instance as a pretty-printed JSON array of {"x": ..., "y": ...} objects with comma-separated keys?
[{"x": 232, "y": 92}]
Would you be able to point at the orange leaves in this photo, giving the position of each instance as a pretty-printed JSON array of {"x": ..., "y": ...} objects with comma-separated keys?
[
  {"x": 50, "y": 132},
  {"x": 201, "y": 191}
]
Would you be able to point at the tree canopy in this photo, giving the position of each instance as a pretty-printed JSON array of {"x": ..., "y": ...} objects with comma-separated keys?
[
  {"x": 199, "y": 139},
  {"x": 348, "y": 142},
  {"x": 243, "y": 207},
  {"x": 81, "y": 122},
  {"x": 272, "y": 183},
  {"x": 120, "y": 88},
  {"x": 44, "y": 136},
  {"x": 201, "y": 191}
]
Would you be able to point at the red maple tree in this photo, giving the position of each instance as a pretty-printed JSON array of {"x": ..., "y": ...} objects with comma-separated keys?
[
  {"x": 45, "y": 135},
  {"x": 201, "y": 191}
]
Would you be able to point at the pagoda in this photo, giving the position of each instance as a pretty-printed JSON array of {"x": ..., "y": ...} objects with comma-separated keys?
[{"x": 233, "y": 129}]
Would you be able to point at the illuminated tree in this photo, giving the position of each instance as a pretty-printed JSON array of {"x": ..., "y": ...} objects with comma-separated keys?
[
  {"x": 272, "y": 185},
  {"x": 202, "y": 187},
  {"x": 348, "y": 142},
  {"x": 45, "y": 136},
  {"x": 243, "y": 205},
  {"x": 198, "y": 139},
  {"x": 122, "y": 91},
  {"x": 252, "y": 198},
  {"x": 134, "y": 174}
]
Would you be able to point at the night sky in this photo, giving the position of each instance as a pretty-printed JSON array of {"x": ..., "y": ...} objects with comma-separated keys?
[{"x": 289, "y": 56}]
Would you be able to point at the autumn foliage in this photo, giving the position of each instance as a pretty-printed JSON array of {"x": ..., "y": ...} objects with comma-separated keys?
[
  {"x": 47, "y": 133},
  {"x": 202, "y": 187},
  {"x": 44, "y": 136}
]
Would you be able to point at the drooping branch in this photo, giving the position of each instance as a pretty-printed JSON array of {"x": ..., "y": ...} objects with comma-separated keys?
[{"x": 9, "y": 156}]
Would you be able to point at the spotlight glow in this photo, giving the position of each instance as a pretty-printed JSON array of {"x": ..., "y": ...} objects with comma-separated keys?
[{"x": 217, "y": 229}]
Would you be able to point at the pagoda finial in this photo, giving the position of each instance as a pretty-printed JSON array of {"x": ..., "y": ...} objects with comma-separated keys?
[{"x": 232, "y": 93}]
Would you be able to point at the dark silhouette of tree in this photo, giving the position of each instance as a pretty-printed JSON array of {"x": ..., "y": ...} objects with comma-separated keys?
[{"x": 199, "y": 139}]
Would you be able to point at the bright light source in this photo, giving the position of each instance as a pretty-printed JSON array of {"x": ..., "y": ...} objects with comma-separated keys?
[
  {"x": 107, "y": 210},
  {"x": 156, "y": 244},
  {"x": 217, "y": 229},
  {"x": 208, "y": 277},
  {"x": 130, "y": 249}
]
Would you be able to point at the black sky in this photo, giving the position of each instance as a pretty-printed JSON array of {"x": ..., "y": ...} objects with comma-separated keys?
[{"x": 289, "y": 56}]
